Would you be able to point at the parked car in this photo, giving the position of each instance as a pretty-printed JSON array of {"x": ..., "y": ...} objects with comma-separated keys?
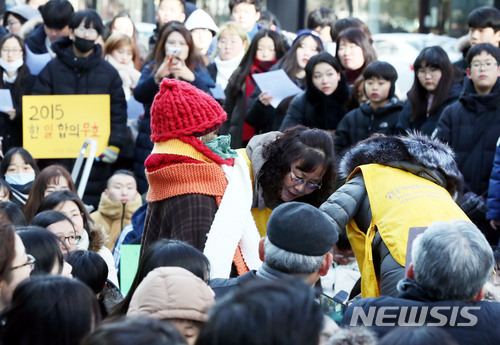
[{"x": 401, "y": 50}]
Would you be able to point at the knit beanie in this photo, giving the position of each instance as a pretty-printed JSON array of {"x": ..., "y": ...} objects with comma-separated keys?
[
  {"x": 301, "y": 228},
  {"x": 180, "y": 109},
  {"x": 172, "y": 293}
]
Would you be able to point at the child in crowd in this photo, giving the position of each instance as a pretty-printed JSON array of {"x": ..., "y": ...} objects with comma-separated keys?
[
  {"x": 471, "y": 126},
  {"x": 378, "y": 115},
  {"x": 321, "y": 105},
  {"x": 266, "y": 49},
  {"x": 118, "y": 202},
  {"x": 260, "y": 114},
  {"x": 437, "y": 84},
  {"x": 19, "y": 169},
  {"x": 120, "y": 52}
]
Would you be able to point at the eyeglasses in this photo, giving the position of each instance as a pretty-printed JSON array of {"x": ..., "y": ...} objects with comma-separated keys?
[
  {"x": 13, "y": 51},
  {"x": 340, "y": 256},
  {"x": 487, "y": 65},
  {"x": 71, "y": 239},
  {"x": 309, "y": 185},
  {"x": 91, "y": 32},
  {"x": 422, "y": 72},
  {"x": 30, "y": 262}
]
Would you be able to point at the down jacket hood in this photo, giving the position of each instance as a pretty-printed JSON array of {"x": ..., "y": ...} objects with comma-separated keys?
[
  {"x": 416, "y": 153},
  {"x": 172, "y": 293}
]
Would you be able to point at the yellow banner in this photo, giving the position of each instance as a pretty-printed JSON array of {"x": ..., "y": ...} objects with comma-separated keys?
[{"x": 56, "y": 126}]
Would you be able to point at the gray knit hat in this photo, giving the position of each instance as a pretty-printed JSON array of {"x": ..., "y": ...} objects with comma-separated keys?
[{"x": 301, "y": 228}]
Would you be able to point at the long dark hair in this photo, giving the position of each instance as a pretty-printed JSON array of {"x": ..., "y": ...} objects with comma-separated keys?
[
  {"x": 289, "y": 61},
  {"x": 237, "y": 79},
  {"x": 193, "y": 60},
  {"x": 434, "y": 57},
  {"x": 23, "y": 72},
  {"x": 165, "y": 253},
  {"x": 313, "y": 147}
]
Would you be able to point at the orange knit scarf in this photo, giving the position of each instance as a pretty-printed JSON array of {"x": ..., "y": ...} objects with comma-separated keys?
[{"x": 188, "y": 178}]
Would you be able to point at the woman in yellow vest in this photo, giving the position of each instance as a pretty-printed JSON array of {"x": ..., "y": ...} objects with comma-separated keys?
[{"x": 393, "y": 183}]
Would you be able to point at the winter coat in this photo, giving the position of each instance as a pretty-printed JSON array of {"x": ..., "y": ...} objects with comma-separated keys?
[
  {"x": 266, "y": 118},
  {"x": 414, "y": 160},
  {"x": 69, "y": 75},
  {"x": 478, "y": 325},
  {"x": 145, "y": 92},
  {"x": 314, "y": 109},
  {"x": 493, "y": 202},
  {"x": 172, "y": 293},
  {"x": 426, "y": 125},
  {"x": 114, "y": 216},
  {"x": 36, "y": 40},
  {"x": 471, "y": 126},
  {"x": 359, "y": 123},
  {"x": 12, "y": 130}
]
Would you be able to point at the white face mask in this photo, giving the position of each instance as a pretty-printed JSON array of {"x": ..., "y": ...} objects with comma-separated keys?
[
  {"x": 11, "y": 67},
  {"x": 19, "y": 179}
]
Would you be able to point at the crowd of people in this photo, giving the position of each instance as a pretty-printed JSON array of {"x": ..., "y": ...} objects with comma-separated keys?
[{"x": 335, "y": 216}]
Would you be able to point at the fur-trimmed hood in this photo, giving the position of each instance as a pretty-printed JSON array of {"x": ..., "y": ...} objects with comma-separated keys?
[{"x": 416, "y": 153}]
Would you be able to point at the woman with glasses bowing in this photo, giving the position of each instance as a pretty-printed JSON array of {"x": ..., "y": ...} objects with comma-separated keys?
[
  {"x": 15, "y": 77},
  {"x": 296, "y": 165},
  {"x": 437, "y": 84}
]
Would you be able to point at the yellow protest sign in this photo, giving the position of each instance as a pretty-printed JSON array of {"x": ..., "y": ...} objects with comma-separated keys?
[{"x": 56, "y": 126}]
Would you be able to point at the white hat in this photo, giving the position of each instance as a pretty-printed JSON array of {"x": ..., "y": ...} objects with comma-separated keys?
[{"x": 200, "y": 19}]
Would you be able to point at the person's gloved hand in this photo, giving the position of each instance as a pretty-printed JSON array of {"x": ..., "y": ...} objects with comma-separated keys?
[
  {"x": 109, "y": 155},
  {"x": 473, "y": 205}
]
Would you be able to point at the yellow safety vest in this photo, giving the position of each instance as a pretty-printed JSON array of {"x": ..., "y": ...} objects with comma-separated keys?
[
  {"x": 399, "y": 200},
  {"x": 260, "y": 216}
]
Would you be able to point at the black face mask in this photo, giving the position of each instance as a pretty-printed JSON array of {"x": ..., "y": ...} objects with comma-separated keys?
[{"x": 83, "y": 45}]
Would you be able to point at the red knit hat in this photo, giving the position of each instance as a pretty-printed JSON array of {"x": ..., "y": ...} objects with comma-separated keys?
[{"x": 180, "y": 109}]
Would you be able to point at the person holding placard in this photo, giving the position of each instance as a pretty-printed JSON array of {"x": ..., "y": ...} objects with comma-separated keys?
[
  {"x": 16, "y": 81},
  {"x": 80, "y": 69},
  {"x": 260, "y": 114}
]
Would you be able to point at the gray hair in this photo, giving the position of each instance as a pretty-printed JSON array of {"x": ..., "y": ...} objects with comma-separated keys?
[
  {"x": 452, "y": 260},
  {"x": 289, "y": 262}
]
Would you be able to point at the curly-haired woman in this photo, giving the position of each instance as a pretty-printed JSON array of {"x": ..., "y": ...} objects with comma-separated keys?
[{"x": 297, "y": 165}]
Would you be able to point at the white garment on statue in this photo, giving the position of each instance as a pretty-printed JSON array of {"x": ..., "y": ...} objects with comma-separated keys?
[
  {"x": 233, "y": 224},
  {"x": 226, "y": 68},
  {"x": 340, "y": 277}
]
